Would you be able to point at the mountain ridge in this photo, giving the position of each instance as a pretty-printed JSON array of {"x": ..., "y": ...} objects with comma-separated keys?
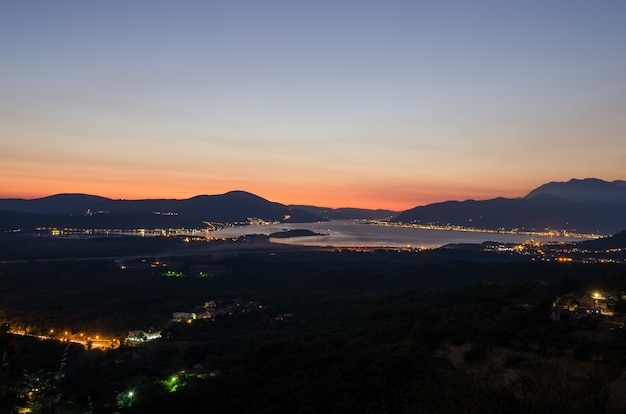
[
  {"x": 589, "y": 205},
  {"x": 582, "y": 190},
  {"x": 89, "y": 211}
]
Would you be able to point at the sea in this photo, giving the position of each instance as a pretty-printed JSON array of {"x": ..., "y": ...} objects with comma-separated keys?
[{"x": 356, "y": 233}]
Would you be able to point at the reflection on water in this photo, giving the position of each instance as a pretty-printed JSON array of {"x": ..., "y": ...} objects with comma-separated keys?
[{"x": 349, "y": 233}]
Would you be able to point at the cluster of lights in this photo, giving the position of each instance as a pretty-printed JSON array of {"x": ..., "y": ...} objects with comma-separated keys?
[
  {"x": 433, "y": 226},
  {"x": 67, "y": 336}
]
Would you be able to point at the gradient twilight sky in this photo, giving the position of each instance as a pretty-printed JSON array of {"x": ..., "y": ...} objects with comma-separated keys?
[{"x": 379, "y": 104}]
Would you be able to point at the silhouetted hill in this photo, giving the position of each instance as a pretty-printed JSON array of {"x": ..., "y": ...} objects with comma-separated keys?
[
  {"x": 348, "y": 213},
  {"x": 599, "y": 211},
  {"x": 55, "y": 204},
  {"x": 617, "y": 241},
  {"x": 586, "y": 190},
  {"x": 86, "y": 211}
]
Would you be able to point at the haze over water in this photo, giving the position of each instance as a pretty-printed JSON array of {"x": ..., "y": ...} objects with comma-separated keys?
[{"x": 349, "y": 233}]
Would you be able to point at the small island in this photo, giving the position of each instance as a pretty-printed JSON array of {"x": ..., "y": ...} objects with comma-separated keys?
[{"x": 294, "y": 233}]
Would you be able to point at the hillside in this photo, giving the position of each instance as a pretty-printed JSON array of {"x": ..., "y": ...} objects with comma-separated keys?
[
  {"x": 87, "y": 211},
  {"x": 588, "y": 206},
  {"x": 586, "y": 190}
]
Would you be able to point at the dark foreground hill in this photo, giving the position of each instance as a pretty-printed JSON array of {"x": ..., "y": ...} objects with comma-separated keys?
[
  {"x": 589, "y": 206},
  {"x": 87, "y": 211},
  {"x": 310, "y": 332}
]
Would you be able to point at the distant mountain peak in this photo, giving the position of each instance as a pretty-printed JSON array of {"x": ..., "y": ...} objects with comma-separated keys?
[
  {"x": 242, "y": 193},
  {"x": 72, "y": 196},
  {"x": 587, "y": 205},
  {"x": 584, "y": 190}
]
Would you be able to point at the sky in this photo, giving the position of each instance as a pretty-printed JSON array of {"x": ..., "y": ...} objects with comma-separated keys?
[{"x": 372, "y": 104}]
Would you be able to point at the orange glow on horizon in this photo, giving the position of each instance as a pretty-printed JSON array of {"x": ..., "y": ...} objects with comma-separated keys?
[{"x": 396, "y": 198}]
